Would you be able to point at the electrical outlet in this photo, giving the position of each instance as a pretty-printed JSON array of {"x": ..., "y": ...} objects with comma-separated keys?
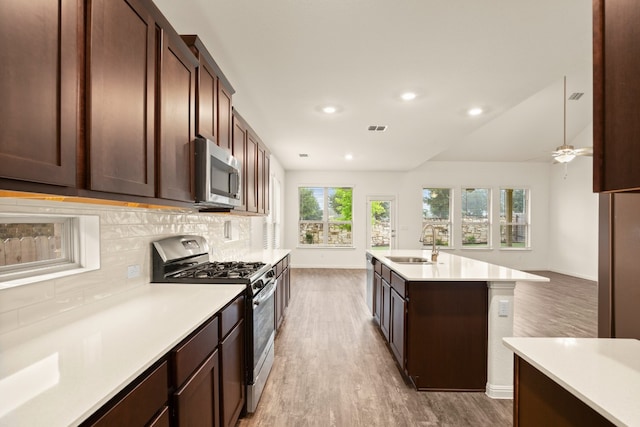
[
  {"x": 503, "y": 308},
  {"x": 133, "y": 271}
]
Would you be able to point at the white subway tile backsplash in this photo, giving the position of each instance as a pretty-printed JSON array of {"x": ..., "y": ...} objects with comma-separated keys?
[
  {"x": 21, "y": 296},
  {"x": 125, "y": 239},
  {"x": 61, "y": 303},
  {"x": 8, "y": 321}
]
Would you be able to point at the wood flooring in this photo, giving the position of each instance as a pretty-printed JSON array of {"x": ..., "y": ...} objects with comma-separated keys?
[{"x": 333, "y": 368}]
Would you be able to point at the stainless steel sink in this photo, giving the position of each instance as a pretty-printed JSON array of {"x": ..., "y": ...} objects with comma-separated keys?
[{"x": 408, "y": 260}]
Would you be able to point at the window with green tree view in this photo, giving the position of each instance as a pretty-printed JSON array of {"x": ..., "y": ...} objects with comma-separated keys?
[
  {"x": 325, "y": 216},
  {"x": 476, "y": 225},
  {"x": 514, "y": 218},
  {"x": 436, "y": 210}
]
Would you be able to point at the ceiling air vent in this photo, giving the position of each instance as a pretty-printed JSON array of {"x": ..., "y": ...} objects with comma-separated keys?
[
  {"x": 575, "y": 96},
  {"x": 303, "y": 155},
  {"x": 378, "y": 128}
]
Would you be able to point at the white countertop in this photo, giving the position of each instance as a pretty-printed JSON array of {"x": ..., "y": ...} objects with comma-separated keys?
[
  {"x": 271, "y": 256},
  {"x": 452, "y": 268},
  {"x": 603, "y": 373},
  {"x": 59, "y": 371}
]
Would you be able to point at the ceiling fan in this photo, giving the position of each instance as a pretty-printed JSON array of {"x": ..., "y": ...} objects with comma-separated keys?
[{"x": 565, "y": 153}]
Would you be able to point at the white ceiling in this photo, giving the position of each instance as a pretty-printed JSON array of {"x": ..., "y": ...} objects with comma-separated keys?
[{"x": 288, "y": 58}]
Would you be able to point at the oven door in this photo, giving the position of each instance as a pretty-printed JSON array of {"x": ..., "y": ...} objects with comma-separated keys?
[{"x": 264, "y": 312}]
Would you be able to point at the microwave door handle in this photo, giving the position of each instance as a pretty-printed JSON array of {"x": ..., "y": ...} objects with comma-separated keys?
[{"x": 234, "y": 183}]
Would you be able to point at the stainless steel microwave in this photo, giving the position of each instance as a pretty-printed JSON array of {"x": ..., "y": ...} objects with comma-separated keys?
[{"x": 218, "y": 176}]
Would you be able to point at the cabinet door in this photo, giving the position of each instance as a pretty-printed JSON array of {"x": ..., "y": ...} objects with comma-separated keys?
[
  {"x": 138, "y": 406},
  {"x": 260, "y": 175},
  {"x": 616, "y": 128},
  {"x": 39, "y": 87},
  {"x": 177, "y": 121},
  {"x": 377, "y": 298},
  {"x": 224, "y": 117},
  {"x": 267, "y": 183},
  {"x": 207, "y": 122},
  {"x": 239, "y": 152},
  {"x": 280, "y": 301},
  {"x": 121, "y": 97},
  {"x": 251, "y": 170},
  {"x": 233, "y": 375},
  {"x": 197, "y": 403},
  {"x": 287, "y": 287},
  {"x": 396, "y": 336},
  {"x": 385, "y": 313}
]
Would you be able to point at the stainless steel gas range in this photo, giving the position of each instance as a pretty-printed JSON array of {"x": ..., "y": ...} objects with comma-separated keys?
[{"x": 185, "y": 259}]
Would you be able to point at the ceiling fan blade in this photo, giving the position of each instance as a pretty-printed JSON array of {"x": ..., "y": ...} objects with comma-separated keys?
[{"x": 586, "y": 151}]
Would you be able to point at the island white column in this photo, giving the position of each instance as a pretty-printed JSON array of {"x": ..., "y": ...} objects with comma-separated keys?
[{"x": 500, "y": 358}]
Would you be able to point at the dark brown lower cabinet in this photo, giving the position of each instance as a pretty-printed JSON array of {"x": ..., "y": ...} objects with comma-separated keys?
[
  {"x": 397, "y": 329},
  {"x": 437, "y": 331},
  {"x": 385, "y": 313},
  {"x": 140, "y": 404},
  {"x": 540, "y": 401},
  {"x": 233, "y": 375},
  {"x": 196, "y": 403},
  {"x": 377, "y": 297},
  {"x": 283, "y": 291}
]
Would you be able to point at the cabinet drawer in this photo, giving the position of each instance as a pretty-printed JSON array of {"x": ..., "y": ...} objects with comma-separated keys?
[
  {"x": 285, "y": 262},
  {"x": 398, "y": 283},
  {"x": 279, "y": 267},
  {"x": 186, "y": 357},
  {"x": 386, "y": 273},
  {"x": 231, "y": 315},
  {"x": 139, "y": 405},
  {"x": 377, "y": 266}
]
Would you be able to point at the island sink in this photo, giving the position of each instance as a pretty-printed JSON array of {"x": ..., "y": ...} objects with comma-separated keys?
[{"x": 408, "y": 260}]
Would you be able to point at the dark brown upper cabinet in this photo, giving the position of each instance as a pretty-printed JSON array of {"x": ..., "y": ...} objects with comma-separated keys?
[
  {"x": 616, "y": 102},
  {"x": 39, "y": 86},
  {"x": 239, "y": 148},
  {"x": 213, "y": 99},
  {"x": 177, "y": 118},
  {"x": 121, "y": 84}
]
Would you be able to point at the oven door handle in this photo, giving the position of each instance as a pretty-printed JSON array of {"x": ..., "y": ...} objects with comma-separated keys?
[{"x": 266, "y": 293}]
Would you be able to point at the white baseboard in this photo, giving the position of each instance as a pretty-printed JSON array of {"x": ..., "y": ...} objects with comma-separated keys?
[
  {"x": 341, "y": 267},
  {"x": 499, "y": 391}
]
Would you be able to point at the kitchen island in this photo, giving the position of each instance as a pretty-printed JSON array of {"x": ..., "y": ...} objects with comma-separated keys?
[{"x": 445, "y": 320}]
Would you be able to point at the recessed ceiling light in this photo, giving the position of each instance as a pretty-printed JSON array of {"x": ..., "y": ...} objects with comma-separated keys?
[
  {"x": 329, "y": 109},
  {"x": 408, "y": 96},
  {"x": 348, "y": 157},
  {"x": 476, "y": 111}
]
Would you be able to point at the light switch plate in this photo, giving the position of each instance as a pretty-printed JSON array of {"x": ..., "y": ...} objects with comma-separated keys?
[{"x": 503, "y": 308}]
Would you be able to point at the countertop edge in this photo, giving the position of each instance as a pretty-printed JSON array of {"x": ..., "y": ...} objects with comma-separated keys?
[{"x": 512, "y": 344}]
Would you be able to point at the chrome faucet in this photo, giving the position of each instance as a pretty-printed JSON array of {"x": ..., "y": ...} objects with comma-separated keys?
[{"x": 434, "y": 250}]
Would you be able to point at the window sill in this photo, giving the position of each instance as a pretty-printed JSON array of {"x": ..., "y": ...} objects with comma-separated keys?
[
  {"x": 476, "y": 249},
  {"x": 515, "y": 249}
]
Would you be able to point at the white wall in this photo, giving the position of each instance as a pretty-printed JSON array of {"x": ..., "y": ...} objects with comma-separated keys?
[
  {"x": 407, "y": 188},
  {"x": 573, "y": 209}
]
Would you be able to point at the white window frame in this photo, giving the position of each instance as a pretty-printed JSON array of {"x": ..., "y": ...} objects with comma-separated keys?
[
  {"x": 427, "y": 243},
  {"x": 527, "y": 216},
  {"x": 489, "y": 245},
  {"x": 325, "y": 219},
  {"x": 81, "y": 240}
]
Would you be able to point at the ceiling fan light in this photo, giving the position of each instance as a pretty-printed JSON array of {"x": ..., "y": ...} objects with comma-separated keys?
[{"x": 565, "y": 157}]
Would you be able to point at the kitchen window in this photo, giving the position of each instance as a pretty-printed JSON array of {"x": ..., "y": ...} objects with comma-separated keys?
[
  {"x": 436, "y": 211},
  {"x": 325, "y": 217},
  {"x": 514, "y": 218},
  {"x": 476, "y": 214},
  {"x": 35, "y": 248}
]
